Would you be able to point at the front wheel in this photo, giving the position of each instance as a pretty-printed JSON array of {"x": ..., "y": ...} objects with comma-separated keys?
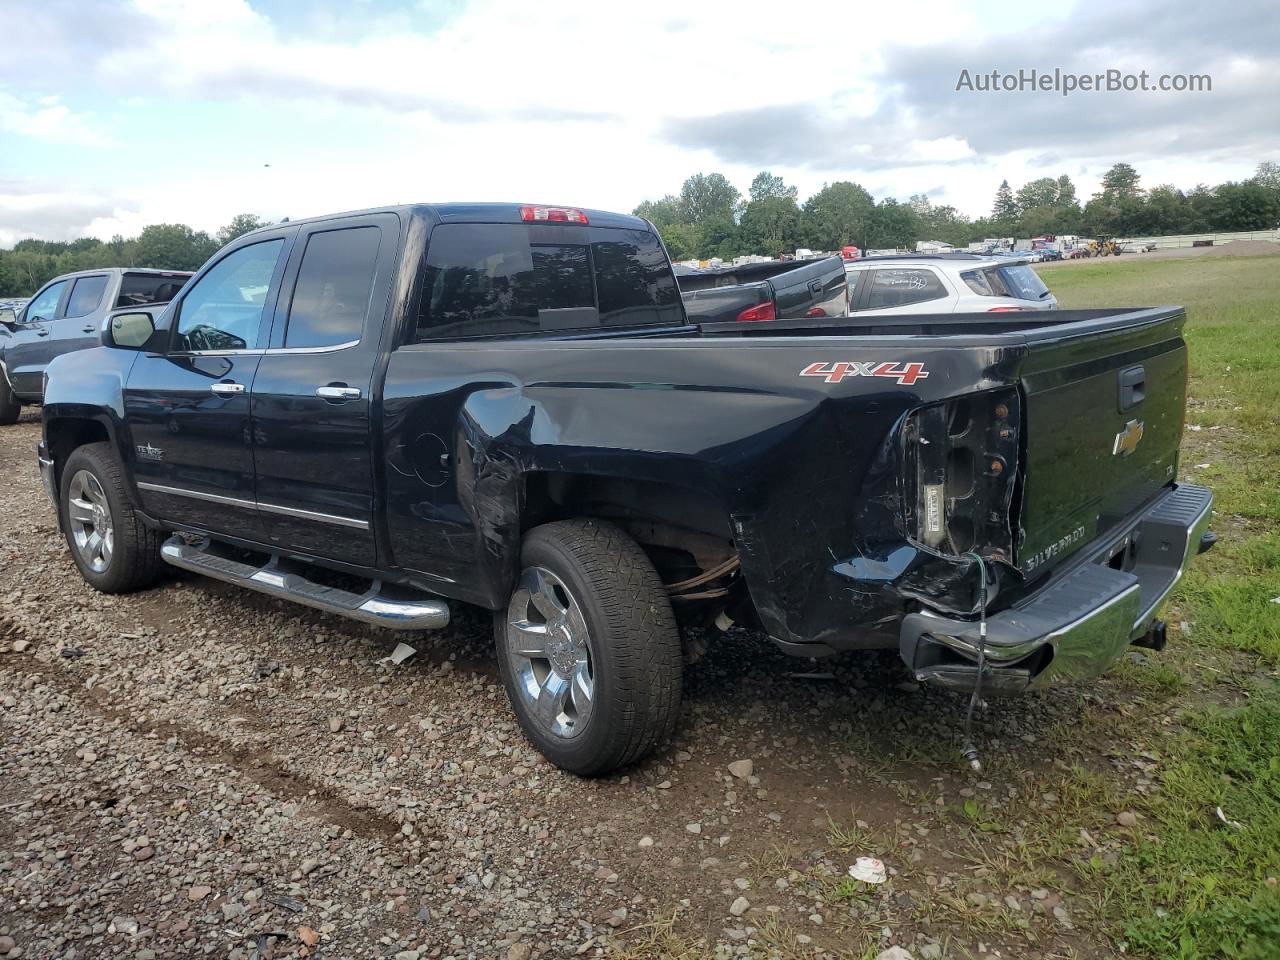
[
  {"x": 588, "y": 648},
  {"x": 114, "y": 550}
]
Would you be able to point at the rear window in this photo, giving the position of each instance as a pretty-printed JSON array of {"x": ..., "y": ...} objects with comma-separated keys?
[
  {"x": 331, "y": 295},
  {"x": 488, "y": 279},
  {"x": 86, "y": 294},
  {"x": 900, "y": 286},
  {"x": 1018, "y": 281},
  {"x": 139, "y": 288}
]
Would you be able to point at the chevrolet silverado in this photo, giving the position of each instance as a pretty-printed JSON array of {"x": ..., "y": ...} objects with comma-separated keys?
[{"x": 384, "y": 413}]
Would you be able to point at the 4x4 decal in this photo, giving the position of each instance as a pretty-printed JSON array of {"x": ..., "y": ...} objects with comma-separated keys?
[{"x": 833, "y": 372}]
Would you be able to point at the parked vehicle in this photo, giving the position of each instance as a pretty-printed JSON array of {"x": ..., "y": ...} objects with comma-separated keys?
[
  {"x": 773, "y": 290},
  {"x": 67, "y": 314},
  {"x": 380, "y": 413},
  {"x": 945, "y": 283}
]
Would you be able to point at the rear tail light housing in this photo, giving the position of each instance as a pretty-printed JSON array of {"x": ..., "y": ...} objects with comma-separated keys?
[
  {"x": 1008, "y": 309},
  {"x": 532, "y": 214},
  {"x": 758, "y": 313},
  {"x": 963, "y": 456}
]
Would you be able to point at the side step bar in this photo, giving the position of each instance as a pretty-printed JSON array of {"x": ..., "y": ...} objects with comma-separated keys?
[{"x": 368, "y": 607}]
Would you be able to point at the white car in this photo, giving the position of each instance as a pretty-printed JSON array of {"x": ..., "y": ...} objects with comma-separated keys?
[{"x": 944, "y": 283}]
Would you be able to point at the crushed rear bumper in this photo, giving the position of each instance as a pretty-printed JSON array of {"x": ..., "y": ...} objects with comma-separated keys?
[{"x": 1083, "y": 619}]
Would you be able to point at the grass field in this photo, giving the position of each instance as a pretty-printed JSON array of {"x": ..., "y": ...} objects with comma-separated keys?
[{"x": 1195, "y": 887}]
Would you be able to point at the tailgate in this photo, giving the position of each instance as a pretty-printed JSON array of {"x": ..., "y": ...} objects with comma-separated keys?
[
  {"x": 817, "y": 289},
  {"x": 1104, "y": 413}
]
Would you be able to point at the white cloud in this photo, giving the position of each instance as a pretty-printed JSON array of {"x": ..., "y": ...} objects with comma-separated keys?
[{"x": 47, "y": 119}]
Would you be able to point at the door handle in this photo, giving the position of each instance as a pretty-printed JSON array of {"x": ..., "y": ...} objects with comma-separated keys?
[
  {"x": 227, "y": 389},
  {"x": 333, "y": 392},
  {"x": 89, "y": 329},
  {"x": 42, "y": 333}
]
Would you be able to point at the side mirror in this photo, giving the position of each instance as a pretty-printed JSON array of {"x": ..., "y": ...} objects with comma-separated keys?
[
  {"x": 131, "y": 331},
  {"x": 8, "y": 315}
]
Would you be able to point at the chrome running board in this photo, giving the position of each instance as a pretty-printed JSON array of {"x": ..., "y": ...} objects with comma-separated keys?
[{"x": 369, "y": 607}]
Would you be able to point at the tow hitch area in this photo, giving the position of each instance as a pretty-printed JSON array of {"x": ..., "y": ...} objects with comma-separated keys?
[{"x": 1081, "y": 622}]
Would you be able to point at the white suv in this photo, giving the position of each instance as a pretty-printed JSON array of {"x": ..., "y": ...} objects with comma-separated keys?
[{"x": 944, "y": 283}]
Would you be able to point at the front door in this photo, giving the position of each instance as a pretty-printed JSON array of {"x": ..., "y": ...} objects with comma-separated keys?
[
  {"x": 188, "y": 408},
  {"x": 30, "y": 349},
  {"x": 312, "y": 397}
]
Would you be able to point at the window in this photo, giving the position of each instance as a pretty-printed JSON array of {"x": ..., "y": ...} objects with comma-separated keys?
[
  {"x": 331, "y": 296},
  {"x": 1023, "y": 282},
  {"x": 899, "y": 286},
  {"x": 223, "y": 311},
  {"x": 489, "y": 279},
  {"x": 45, "y": 305},
  {"x": 139, "y": 288},
  {"x": 86, "y": 294}
]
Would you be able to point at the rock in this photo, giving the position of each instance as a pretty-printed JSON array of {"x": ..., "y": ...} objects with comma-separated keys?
[
  {"x": 739, "y": 906},
  {"x": 308, "y": 867},
  {"x": 646, "y": 842},
  {"x": 335, "y": 724},
  {"x": 144, "y": 853},
  {"x": 6, "y": 944},
  {"x": 742, "y": 768},
  {"x": 308, "y": 936},
  {"x": 693, "y": 827},
  {"x": 126, "y": 925},
  {"x": 407, "y": 955},
  {"x": 199, "y": 893},
  {"x": 931, "y": 951},
  {"x": 20, "y": 645},
  {"x": 894, "y": 953},
  {"x": 742, "y": 883},
  {"x": 1127, "y": 819},
  {"x": 519, "y": 951}
]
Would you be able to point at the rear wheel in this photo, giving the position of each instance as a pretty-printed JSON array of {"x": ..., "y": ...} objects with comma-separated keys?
[
  {"x": 9, "y": 405},
  {"x": 114, "y": 550},
  {"x": 588, "y": 648}
]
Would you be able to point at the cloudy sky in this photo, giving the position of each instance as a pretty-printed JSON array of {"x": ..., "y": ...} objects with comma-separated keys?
[{"x": 117, "y": 115}]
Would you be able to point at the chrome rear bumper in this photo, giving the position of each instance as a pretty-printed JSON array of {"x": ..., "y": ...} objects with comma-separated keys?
[{"x": 1082, "y": 621}]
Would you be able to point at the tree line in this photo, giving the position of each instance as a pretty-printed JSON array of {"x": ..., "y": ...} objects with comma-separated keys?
[
  {"x": 709, "y": 217},
  {"x": 162, "y": 246}
]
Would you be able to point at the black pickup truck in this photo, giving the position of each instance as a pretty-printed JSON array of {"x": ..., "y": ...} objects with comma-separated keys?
[
  {"x": 380, "y": 413},
  {"x": 771, "y": 290}
]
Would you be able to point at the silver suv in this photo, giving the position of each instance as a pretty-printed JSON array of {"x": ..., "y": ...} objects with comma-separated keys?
[{"x": 944, "y": 283}]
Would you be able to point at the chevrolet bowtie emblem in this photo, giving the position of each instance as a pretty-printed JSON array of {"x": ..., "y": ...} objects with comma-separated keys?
[{"x": 1127, "y": 440}]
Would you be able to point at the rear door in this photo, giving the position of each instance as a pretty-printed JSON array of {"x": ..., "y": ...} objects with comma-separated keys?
[
  {"x": 313, "y": 395},
  {"x": 30, "y": 349},
  {"x": 188, "y": 408},
  {"x": 77, "y": 329}
]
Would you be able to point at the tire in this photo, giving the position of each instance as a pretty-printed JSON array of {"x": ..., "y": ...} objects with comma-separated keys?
[
  {"x": 92, "y": 477},
  {"x": 9, "y": 405},
  {"x": 633, "y": 659}
]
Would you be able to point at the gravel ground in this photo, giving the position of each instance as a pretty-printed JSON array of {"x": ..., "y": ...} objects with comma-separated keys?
[{"x": 201, "y": 771}]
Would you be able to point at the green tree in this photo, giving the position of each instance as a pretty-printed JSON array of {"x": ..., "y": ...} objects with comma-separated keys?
[
  {"x": 174, "y": 246},
  {"x": 661, "y": 213},
  {"x": 1042, "y": 192},
  {"x": 1004, "y": 209},
  {"x": 837, "y": 215},
  {"x": 892, "y": 224},
  {"x": 682, "y": 240},
  {"x": 1067, "y": 193},
  {"x": 240, "y": 224},
  {"x": 771, "y": 224},
  {"x": 704, "y": 197},
  {"x": 1121, "y": 182},
  {"x": 766, "y": 184}
]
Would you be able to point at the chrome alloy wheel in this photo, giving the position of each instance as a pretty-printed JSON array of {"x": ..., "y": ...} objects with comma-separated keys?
[
  {"x": 549, "y": 652},
  {"x": 89, "y": 515}
]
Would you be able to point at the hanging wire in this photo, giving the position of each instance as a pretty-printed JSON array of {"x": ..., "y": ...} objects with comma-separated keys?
[{"x": 969, "y": 751}]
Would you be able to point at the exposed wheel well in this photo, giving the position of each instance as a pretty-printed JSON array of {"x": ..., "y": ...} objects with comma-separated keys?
[{"x": 687, "y": 533}]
